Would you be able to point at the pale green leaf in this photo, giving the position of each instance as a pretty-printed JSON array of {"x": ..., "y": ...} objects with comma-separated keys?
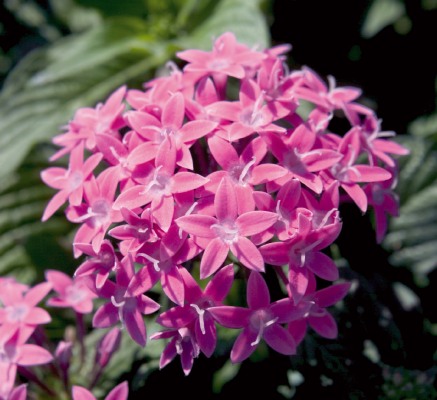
[{"x": 381, "y": 14}]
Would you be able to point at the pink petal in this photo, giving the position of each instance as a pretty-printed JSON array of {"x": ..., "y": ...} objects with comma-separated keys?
[
  {"x": 255, "y": 222},
  {"x": 298, "y": 278},
  {"x": 357, "y": 194},
  {"x": 214, "y": 256},
  {"x": 84, "y": 307},
  {"x": 120, "y": 392},
  {"x": 37, "y": 316},
  {"x": 59, "y": 280},
  {"x": 143, "y": 280},
  {"x": 37, "y": 293},
  {"x": 298, "y": 329},
  {"x": 245, "y": 202},
  {"x": 185, "y": 181},
  {"x": 79, "y": 393},
  {"x": 286, "y": 311},
  {"x": 173, "y": 285},
  {"x": 135, "y": 325},
  {"x": 321, "y": 265},
  {"x": 231, "y": 317},
  {"x": 166, "y": 156},
  {"x": 143, "y": 153},
  {"x": 266, "y": 172},
  {"x": 372, "y": 174},
  {"x": 19, "y": 393},
  {"x": 55, "y": 203},
  {"x": 174, "y": 111},
  {"x": 325, "y": 326},
  {"x": 105, "y": 316},
  {"x": 331, "y": 295},
  {"x": 146, "y": 305},
  {"x": 279, "y": 339},
  {"x": 275, "y": 253},
  {"x": 198, "y": 225},
  {"x": 225, "y": 202},
  {"x": 196, "y": 129},
  {"x": 163, "y": 210},
  {"x": 207, "y": 340},
  {"x": 243, "y": 348},
  {"x": 187, "y": 357},
  {"x": 168, "y": 354},
  {"x": 220, "y": 285},
  {"x": 30, "y": 354},
  {"x": 258, "y": 295},
  {"x": 248, "y": 254},
  {"x": 177, "y": 317},
  {"x": 192, "y": 290},
  {"x": 223, "y": 152}
]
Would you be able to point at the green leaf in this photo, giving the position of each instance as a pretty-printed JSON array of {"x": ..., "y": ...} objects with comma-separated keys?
[
  {"x": 381, "y": 14},
  {"x": 242, "y": 17}
]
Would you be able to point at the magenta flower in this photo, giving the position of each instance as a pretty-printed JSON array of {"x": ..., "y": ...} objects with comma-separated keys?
[
  {"x": 63, "y": 354},
  {"x": 123, "y": 307},
  {"x": 243, "y": 171},
  {"x": 302, "y": 253},
  {"x": 296, "y": 154},
  {"x": 196, "y": 308},
  {"x": 157, "y": 185},
  {"x": 183, "y": 343},
  {"x": 120, "y": 392},
  {"x": 317, "y": 317},
  {"x": 97, "y": 213},
  {"x": 227, "y": 232},
  {"x": 73, "y": 294},
  {"x": 261, "y": 320},
  {"x": 102, "y": 262},
  {"x": 69, "y": 181},
  {"x": 109, "y": 344},
  {"x": 348, "y": 174}
]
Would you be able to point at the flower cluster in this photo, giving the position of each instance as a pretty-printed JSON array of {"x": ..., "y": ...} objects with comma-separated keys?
[{"x": 266, "y": 188}]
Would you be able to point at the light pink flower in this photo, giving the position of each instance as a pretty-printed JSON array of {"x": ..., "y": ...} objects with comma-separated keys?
[{"x": 120, "y": 392}]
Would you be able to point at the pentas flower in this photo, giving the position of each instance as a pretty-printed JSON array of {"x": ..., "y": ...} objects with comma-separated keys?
[
  {"x": 157, "y": 185},
  {"x": 123, "y": 307},
  {"x": 120, "y": 392},
  {"x": 109, "y": 344},
  {"x": 227, "y": 58},
  {"x": 297, "y": 155},
  {"x": 63, "y": 354},
  {"x": 14, "y": 351},
  {"x": 285, "y": 206},
  {"x": 248, "y": 114},
  {"x": 198, "y": 303},
  {"x": 348, "y": 174},
  {"x": 73, "y": 294},
  {"x": 262, "y": 320},
  {"x": 105, "y": 118},
  {"x": 382, "y": 197},
  {"x": 317, "y": 317},
  {"x": 137, "y": 231},
  {"x": 20, "y": 310},
  {"x": 162, "y": 264},
  {"x": 171, "y": 124},
  {"x": 97, "y": 213},
  {"x": 183, "y": 343},
  {"x": 242, "y": 171},
  {"x": 102, "y": 262},
  {"x": 9, "y": 285},
  {"x": 227, "y": 232},
  {"x": 70, "y": 182},
  {"x": 302, "y": 253}
]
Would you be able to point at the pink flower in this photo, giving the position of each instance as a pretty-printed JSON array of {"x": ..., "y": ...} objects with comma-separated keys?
[
  {"x": 109, "y": 344},
  {"x": 73, "y": 294},
  {"x": 124, "y": 307},
  {"x": 18, "y": 393},
  {"x": 261, "y": 320},
  {"x": 183, "y": 343},
  {"x": 318, "y": 318},
  {"x": 120, "y": 392},
  {"x": 21, "y": 310},
  {"x": 196, "y": 308},
  {"x": 227, "y": 232}
]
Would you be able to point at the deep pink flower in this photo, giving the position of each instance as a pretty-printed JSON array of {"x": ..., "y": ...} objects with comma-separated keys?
[
  {"x": 196, "y": 308},
  {"x": 183, "y": 343},
  {"x": 227, "y": 232},
  {"x": 318, "y": 318},
  {"x": 123, "y": 307},
  {"x": 261, "y": 320}
]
